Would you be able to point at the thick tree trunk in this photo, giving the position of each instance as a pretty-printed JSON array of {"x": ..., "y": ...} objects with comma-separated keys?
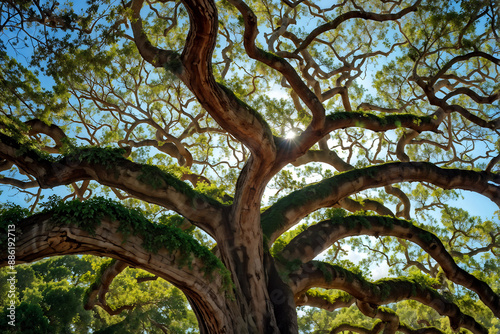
[
  {"x": 276, "y": 315},
  {"x": 265, "y": 303},
  {"x": 259, "y": 297},
  {"x": 255, "y": 304}
]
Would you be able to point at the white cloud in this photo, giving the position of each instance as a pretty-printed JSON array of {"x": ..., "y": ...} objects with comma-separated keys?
[{"x": 379, "y": 270}]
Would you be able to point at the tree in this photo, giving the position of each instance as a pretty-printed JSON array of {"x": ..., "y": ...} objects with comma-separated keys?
[
  {"x": 51, "y": 291},
  {"x": 231, "y": 122}
]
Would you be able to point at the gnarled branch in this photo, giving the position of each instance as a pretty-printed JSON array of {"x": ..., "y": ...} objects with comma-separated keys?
[
  {"x": 44, "y": 235},
  {"x": 147, "y": 182},
  {"x": 290, "y": 209},
  {"x": 315, "y": 239},
  {"x": 324, "y": 275}
]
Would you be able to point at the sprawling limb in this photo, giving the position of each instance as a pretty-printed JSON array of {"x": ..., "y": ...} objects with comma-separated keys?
[
  {"x": 352, "y": 15},
  {"x": 146, "y": 182},
  {"x": 324, "y": 234},
  {"x": 364, "y": 205},
  {"x": 297, "y": 151},
  {"x": 388, "y": 323},
  {"x": 17, "y": 183},
  {"x": 390, "y": 320},
  {"x": 428, "y": 86},
  {"x": 323, "y": 275},
  {"x": 279, "y": 64},
  {"x": 96, "y": 293},
  {"x": 290, "y": 209},
  {"x": 43, "y": 235},
  {"x": 320, "y": 300},
  {"x": 194, "y": 68},
  {"x": 37, "y": 126},
  {"x": 379, "y": 326},
  {"x": 316, "y": 299},
  {"x": 424, "y": 330}
]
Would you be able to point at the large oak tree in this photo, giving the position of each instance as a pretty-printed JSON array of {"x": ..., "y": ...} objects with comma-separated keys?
[{"x": 235, "y": 121}]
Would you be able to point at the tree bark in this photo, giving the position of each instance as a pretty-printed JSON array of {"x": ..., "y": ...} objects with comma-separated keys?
[{"x": 261, "y": 303}]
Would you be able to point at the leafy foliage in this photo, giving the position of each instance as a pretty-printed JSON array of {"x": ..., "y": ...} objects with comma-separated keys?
[
  {"x": 88, "y": 215},
  {"x": 51, "y": 297},
  {"x": 224, "y": 147}
]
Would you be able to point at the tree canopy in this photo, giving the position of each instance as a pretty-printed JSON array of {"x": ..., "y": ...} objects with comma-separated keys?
[
  {"x": 246, "y": 152},
  {"x": 51, "y": 293}
]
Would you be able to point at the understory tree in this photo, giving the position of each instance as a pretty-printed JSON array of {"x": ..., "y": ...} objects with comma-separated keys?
[
  {"x": 50, "y": 294},
  {"x": 246, "y": 150}
]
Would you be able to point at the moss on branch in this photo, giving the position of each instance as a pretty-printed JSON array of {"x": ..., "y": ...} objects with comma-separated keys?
[
  {"x": 151, "y": 175},
  {"x": 329, "y": 297},
  {"x": 382, "y": 291},
  {"x": 157, "y": 178},
  {"x": 273, "y": 219},
  {"x": 327, "y": 232},
  {"x": 88, "y": 215},
  {"x": 290, "y": 209},
  {"x": 405, "y": 287},
  {"x": 110, "y": 157},
  {"x": 385, "y": 121}
]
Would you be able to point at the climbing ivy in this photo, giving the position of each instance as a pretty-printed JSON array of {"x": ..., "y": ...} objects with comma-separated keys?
[
  {"x": 87, "y": 215},
  {"x": 107, "y": 155},
  {"x": 10, "y": 214}
]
